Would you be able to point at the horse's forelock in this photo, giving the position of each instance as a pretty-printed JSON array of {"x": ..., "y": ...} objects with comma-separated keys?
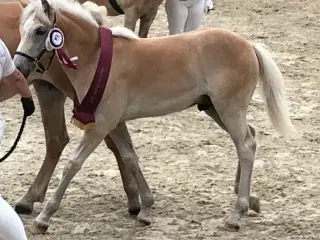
[
  {"x": 35, "y": 10},
  {"x": 32, "y": 14}
]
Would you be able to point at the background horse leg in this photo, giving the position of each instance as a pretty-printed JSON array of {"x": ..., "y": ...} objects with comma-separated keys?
[
  {"x": 129, "y": 184},
  {"x": 51, "y": 102},
  {"x": 145, "y": 23},
  {"x": 130, "y": 19}
]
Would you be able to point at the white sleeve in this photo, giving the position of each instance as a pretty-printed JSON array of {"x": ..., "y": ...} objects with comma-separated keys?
[
  {"x": 11, "y": 226},
  {"x": 8, "y": 65}
]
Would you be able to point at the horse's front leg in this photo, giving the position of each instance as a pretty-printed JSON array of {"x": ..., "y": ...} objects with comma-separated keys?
[
  {"x": 122, "y": 140},
  {"x": 90, "y": 140},
  {"x": 128, "y": 181},
  {"x": 51, "y": 102}
]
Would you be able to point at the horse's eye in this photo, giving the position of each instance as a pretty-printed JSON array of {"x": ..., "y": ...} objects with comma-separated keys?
[{"x": 40, "y": 31}]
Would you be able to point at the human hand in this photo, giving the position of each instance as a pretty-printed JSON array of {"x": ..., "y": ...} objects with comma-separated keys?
[{"x": 28, "y": 106}]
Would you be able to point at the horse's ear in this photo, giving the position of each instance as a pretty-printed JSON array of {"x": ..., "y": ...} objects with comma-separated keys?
[{"x": 46, "y": 7}]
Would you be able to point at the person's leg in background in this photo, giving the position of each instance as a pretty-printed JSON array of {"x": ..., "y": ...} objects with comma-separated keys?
[
  {"x": 196, "y": 11},
  {"x": 177, "y": 13},
  {"x": 11, "y": 227}
]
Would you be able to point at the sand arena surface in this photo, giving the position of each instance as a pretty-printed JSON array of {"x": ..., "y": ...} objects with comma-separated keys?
[{"x": 187, "y": 159}]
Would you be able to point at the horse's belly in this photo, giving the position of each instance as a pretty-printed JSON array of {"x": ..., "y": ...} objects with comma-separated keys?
[{"x": 152, "y": 107}]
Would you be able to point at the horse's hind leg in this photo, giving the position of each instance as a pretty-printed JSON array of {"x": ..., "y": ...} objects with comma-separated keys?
[
  {"x": 211, "y": 112},
  {"x": 51, "y": 102},
  {"x": 233, "y": 120},
  {"x": 254, "y": 202},
  {"x": 236, "y": 184},
  {"x": 129, "y": 184}
]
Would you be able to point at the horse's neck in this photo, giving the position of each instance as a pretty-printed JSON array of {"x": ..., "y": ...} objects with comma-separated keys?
[
  {"x": 81, "y": 78},
  {"x": 60, "y": 80},
  {"x": 81, "y": 40}
]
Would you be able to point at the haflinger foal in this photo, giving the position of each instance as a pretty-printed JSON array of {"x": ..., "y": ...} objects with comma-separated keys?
[
  {"x": 51, "y": 101},
  {"x": 117, "y": 77}
]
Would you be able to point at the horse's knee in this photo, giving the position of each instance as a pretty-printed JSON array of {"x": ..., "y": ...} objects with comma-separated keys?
[
  {"x": 72, "y": 167},
  {"x": 56, "y": 144}
]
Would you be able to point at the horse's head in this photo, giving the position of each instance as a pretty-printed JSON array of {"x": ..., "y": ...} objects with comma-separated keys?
[
  {"x": 40, "y": 34},
  {"x": 37, "y": 19}
]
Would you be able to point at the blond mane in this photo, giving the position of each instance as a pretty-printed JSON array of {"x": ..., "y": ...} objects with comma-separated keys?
[
  {"x": 100, "y": 15},
  {"x": 71, "y": 6},
  {"x": 88, "y": 11}
]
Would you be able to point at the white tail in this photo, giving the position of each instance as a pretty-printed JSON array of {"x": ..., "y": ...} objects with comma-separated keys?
[{"x": 272, "y": 91}]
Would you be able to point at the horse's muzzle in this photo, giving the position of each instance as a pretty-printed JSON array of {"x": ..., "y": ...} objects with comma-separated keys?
[{"x": 23, "y": 65}]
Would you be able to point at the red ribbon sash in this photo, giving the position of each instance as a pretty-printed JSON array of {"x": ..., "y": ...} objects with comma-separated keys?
[{"x": 83, "y": 113}]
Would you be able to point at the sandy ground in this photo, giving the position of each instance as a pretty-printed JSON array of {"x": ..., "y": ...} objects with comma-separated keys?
[{"x": 188, "y": 161}]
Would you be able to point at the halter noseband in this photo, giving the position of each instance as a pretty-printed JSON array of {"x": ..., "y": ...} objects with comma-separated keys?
[{"x": 38, "y": 66}]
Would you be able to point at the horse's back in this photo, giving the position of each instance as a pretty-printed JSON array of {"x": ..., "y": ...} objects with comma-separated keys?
[{"x": 9, "y": 24}]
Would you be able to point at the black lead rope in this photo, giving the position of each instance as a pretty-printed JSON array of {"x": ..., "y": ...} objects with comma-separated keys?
[{"x": 17, "y": 139}]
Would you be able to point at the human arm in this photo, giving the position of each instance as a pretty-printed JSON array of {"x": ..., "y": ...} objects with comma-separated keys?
[
  {"x": 6, "y": 90},
  {"x": 18, "y": 83},
  {"x": 15, "y": 80}
]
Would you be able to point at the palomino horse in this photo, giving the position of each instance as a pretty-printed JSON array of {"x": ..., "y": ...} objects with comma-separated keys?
[
  {"x": 133, "y": 10},
  {"x": 51, "y": 102},
  {"x": 214, "y": 68}
]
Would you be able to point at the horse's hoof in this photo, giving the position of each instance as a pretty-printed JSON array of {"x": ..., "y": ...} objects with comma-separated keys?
[
  {"x": 254, "y": 204},
  {"x": 144, "y": 219},
  {"x": 23, "y": 209},
  {"x": 232, "y": 226},
  {"x": 134, "y": 211},
  {"x": 39, "y": 228}
]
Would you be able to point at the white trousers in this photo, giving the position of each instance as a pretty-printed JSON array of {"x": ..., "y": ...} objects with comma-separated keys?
[
  {"x": 184, "y": 15},
  {"x": 11, "y": 227}
]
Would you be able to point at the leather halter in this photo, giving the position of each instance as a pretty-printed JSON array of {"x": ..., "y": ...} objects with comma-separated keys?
[{"x": 38, "y": 66}]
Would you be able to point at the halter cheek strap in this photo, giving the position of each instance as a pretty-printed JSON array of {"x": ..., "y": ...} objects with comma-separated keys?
[
  {"x": 38, "y": 66},
  {"x": 54, "y": 42}
]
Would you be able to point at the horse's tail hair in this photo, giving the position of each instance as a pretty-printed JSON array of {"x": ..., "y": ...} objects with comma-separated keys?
[
  {"x": 273, "y": 91},
  {"x": 98, "y": 12}
]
